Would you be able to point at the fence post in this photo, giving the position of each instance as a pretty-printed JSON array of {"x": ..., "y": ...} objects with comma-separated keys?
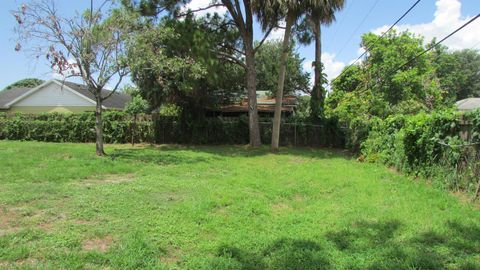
[{"x": 295, "y": 134}]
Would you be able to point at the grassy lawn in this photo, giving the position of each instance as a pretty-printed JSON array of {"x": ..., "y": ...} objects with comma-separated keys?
[{"x": 222, "y": 208}]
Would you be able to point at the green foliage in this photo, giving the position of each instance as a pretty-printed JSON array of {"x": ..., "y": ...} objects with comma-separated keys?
[
  {"x": 54, "y": 127},
  {"x": 167, "y": 127},
  {"x": 266, "y": 60},
  {"x": 27, "y": 83},
  {"x": 136, "y": 106},
  {"x": 458, "y": 72},
  {"x": 174, "y": 62},
  {"x": 427, "y": 145},
  {"x": 375, "y": 88}
]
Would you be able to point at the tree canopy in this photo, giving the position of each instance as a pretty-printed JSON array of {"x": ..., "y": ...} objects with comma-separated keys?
[
  {"x": 27, "y": 82},
  {"x": 376, "y": 87},
  {"x": 296, "y": 80}
]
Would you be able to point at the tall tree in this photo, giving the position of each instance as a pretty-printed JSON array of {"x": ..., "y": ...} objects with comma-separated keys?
[
  {"x": 241, "y": 14},
  {"x": 458, "y": 72},
  {"x": 321, "y": 12},
  {"x": 292, "y": 9},
  {"x": 244, "y": 23},
  {"x": 90, "y": 45}
]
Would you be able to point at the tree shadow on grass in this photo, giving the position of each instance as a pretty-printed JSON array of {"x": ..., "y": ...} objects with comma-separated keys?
[
  {"x": 152, "y": 155},
  {"x": 246, "y": 151},
  {"x": 379, "y": 245},
  {"x": 284, "y": 254},
  {"x": 364, "y": 245}
]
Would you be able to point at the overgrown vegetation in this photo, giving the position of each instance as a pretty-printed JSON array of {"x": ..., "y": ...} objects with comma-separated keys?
[
  {"x": 222, "y": 208},
  {"x": 403, "y": 114},
  {"x": 428, "y": 145}
]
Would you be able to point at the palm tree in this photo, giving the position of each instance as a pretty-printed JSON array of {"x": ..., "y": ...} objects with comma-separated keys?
[
  {"x": 292, "y": 10},
  {"x": 321, "y": 12}
]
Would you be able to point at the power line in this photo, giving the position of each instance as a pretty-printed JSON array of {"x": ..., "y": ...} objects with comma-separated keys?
[
  {"x": 369, "y": 46},
  {"x": 431, "y": 47},
  {"x": 384, "y": 33},
  {"x": 358, "y": 27},
  {"x": 345, "y": 16},
  {"x": 437, "y": 43}
]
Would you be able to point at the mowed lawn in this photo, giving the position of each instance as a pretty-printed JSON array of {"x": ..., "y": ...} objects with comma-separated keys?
[{"x": 223, "y": 207}]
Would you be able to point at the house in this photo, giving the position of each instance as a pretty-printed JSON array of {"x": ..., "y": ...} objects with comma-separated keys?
[
  {"x": 58, "y": 96},
  {"x": 265, "y": 106},
  {"x": 468, "y": 104}
]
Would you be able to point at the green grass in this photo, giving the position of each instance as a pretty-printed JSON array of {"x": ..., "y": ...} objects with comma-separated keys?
[{"x": 222, "y": 208}]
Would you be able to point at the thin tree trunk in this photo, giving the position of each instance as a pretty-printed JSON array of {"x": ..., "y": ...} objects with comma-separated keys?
[
  {"x": 251, "y": 77},
  {"x": 281, "y": 82},
  {"x": 99, "y": 127},
  {"x": 134, "y": 125},
  {"x": 317, "y": 99}
]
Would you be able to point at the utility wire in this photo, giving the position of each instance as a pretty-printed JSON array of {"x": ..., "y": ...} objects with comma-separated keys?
[
  {"x": 340, "y": 23},
  {"x": 431, "y": 47},
  {"x": 437, "y": 43},
  {"x": 358, "y": 27},
  {"x": 369, "y": 46}
]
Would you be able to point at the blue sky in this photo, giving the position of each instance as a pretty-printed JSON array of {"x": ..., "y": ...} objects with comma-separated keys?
[{"x": 430, "y": 17}]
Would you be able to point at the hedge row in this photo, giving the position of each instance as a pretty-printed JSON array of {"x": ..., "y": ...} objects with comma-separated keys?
[
  {"x": 428, "y": 145},
  {"x": 56, "y": 127}
]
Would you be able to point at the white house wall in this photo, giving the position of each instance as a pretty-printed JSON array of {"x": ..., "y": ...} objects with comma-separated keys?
[{"x": 53, "y": 95}]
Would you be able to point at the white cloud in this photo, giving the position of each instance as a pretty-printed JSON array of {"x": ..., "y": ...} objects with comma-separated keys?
[
  {"x": 278, "y": 33},
  {"x": 447, "y": 18},
  {"x": 199, "y": 4},
  {"x": 333, "y": 67}
]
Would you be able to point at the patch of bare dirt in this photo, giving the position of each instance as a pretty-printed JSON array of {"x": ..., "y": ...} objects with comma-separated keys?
[
  {"x": 172, "y": 256},
  {"x": 98, "y": 244},
  {"x": 281, "y": 207},
  {"x": 298, "y": 160},
  {"x": 8, "y": 221},
  {"x": 467, "y": 199},
  {"x": 28, "y": 262},
  {"x": 83, "y": 222},
  {"x": 13, "y": 219},
  {"x": 298, "y": 197},
  {"x": 108, "y": 179}
]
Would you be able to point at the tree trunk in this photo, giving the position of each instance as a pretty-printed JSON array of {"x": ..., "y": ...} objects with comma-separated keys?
[
  {"x": 251, "y": 77},
  {"x": 134, "y": 125},
  {"x": 318, "y": 97},
  {"x": 99, "y": 127},
  {"x": 281, "y": 82}
]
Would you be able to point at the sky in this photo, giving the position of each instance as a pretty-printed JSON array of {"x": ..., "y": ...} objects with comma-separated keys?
[{"x": 341, "y": 40}]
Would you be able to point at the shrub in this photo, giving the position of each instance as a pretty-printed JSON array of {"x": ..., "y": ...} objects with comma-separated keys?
[
  {"x": 56, "y": 127},
  {"x": 428, "y": 145}
]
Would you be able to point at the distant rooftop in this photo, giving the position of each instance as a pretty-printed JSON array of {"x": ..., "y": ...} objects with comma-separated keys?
[{"x": 468, "y": 104}]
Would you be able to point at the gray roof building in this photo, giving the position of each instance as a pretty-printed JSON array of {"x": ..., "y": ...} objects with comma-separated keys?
[
  {"x": 56, "y": 93},
  {"x": 468, "y": 104}
]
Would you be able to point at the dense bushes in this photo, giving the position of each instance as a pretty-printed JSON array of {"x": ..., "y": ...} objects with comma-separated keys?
[
  {"x": 428, "y": 145},
  {"x": 55, "y": 127},
  {"x": 117, "y": 129}
]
